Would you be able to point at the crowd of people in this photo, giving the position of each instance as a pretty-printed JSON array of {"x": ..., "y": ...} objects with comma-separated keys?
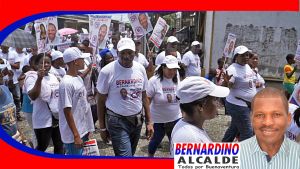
[{"x": 64, "y": 94}]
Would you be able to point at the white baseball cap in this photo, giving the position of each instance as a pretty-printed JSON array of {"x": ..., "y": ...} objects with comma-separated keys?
[
  {"x": 73, "y": 53},
  {"x": 126, "y": 43},
  {"x": 56, "y": 55},
  {"x": 195, "y": 87},
  {"x": 241, "y": 50},
  {"x": 171, "y": 62},
  {"x": 195, "y": 43},
  {"x": 172, "y": 39}
]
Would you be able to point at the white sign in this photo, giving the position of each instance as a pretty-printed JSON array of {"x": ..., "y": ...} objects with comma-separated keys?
[
  {"x": 121, "y": 27},
  {"x": 99, "y": 35},
  {"x": 160, "y": 30},
  {"x": 28, "y": 27},
  {"x": 110, "y": 29},
  {"x": 84, "y": 37},
  {"x": 64, "y": 46},
  {"x": 228, "y": 50},
  {"x": 297, "y": 56},
  {"x": 140, "y": 23},
  {"x": 206, "y": 155},
  {"x": 40, "y": 26},
  {"x": 84, "y": 31},
  {"x": 53, "y": 36}
]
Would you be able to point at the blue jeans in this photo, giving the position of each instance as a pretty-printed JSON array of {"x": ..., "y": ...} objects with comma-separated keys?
[
  {"x": 240, "y": 122},
  {"x": 71, "y": 150},
  {"x": 17, "y": 96},
  {"x": 124, "y": 135},
  {"x": 158, "y": 136}
]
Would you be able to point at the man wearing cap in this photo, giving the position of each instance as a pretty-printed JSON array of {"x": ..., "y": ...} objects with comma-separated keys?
[
  {"x": 115, "y": 38},
  {"x": 57, "y": 65},
  {"x": 197, "y": 97},
  {"x": 139, "y": 57},
  {"x": 124, "y": 117},
  {"x": 14, "y": 60},
  {"x": 191, "y": 61},
  {"x": 171, "y": 43},
  {"x": 269, "y": 148},
  {"x": 75, "y": 117}
]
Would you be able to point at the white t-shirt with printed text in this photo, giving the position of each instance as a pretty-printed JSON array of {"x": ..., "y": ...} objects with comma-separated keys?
[
  {"x": 42, "y": 117},
  {"x": 124, "y": 87},
  {"x": 184, "y": 132},
  {"x": 192, "y": 63},
  {"x": 73, "y": 94},
  {"x": 243, "y": 87},
  {"x": 164, "y": 106}
]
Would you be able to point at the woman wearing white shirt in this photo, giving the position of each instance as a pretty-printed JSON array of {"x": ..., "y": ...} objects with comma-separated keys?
[
  {"x": 240, "y": 79},
  {"x": 165, "y": 111},
  {"x": 253, "y": 63},
  {"x": 42, "y": 117}
]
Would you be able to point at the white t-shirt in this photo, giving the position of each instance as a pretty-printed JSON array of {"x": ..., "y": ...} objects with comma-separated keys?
[
  {"x": 243, "y": 80},
  {"x": 164, "y": 106},
  {"x": 292, "y": 130},
  {"x": 124, "y": 87},
  {"x": 192, "y": 63},
  {"x": 184, "y": 132},
  {"x": 260, "y": 79},
  {"x": 41, "y": 117},
  {"x": 26, "y": 60},
  {"x": 114, "y": 53},
  {"x": 59, "y": 73},
  {"x": 160, "y": 57},
  {"x": 12, "y": 57},
  {"x": 141, "y": 59},
  {"x": 22, "y": 59},
  {"x": 73, "y": 94},
  {"x": 86, "y": 79}
]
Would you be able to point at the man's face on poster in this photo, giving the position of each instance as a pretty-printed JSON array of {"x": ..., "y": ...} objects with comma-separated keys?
[
  {"x": 169, "y": 97},
  {"x": 123, "y": 93},
  {"x": 230, "y": 47},
  {"x": 143, "y": 20},
  {"x": 102, "y": 33},
  {"x": 51, "y": 32}
]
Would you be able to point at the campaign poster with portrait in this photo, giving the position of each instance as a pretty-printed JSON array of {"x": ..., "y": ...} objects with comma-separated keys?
[
  {"x": 52, "y": 31},
  {"x": 169, "y": 94},
  {"x": 111, "y": 27},
  {"x": 28, "y": 27},
  {"x": 84, "y": 36},
  {"x": 297, "y": 56},
  {"x": 121, "y": 27},
  {"x": 128, "y": 33},
  {"x": 99, "y": 35},
  {"x": 160, "y": 30},
  {"x": 40, "y": 26},
  {"x": 140, "y": 23},
  {"x": 229, "y": 46},
  {"x": 92, "y": 19}
]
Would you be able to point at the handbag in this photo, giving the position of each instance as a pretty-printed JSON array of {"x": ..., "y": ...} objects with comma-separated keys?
[
  {"x": 90, "y": 148},
  {"x": 55, "y": 121},
  {"x": 168, "y": 127},
  {"x": 91, "y": 99}
]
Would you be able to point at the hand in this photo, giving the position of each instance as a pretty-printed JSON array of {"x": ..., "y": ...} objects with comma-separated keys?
[
  {"x": 150, "y": 54},
  {"x": 5, "y": 72},
  {"x": 105, "y": 136},
  {"x": 295, "y": 68},
  {"x": 150, "y": 132},
  {"x": 24, "y": 141},
  {"x": 41, "y": 74},
  {"x": 227, "y": 77},
  {"x": 78, "y": 142},
  {"x": 90, "y": 66}
]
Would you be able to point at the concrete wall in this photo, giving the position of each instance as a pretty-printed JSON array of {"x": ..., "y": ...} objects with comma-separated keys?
[{"x": 272, "y": 35}]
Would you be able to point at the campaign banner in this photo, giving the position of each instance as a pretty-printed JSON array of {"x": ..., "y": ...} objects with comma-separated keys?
[
  {"x": 62, "y": 47},
  {"x": 160, "y": 30},
  {"x": 228, "y": 50},
  {"x": 295, "y": 97},
  {"x": 99, "y": 36},
  {"x": 53, "y": 36},
  {"x": 206, "y": 155},
  {"x": 28, "y": 27},
  {"x": 111, "y": 27},
  {"x": 140, "y": 23},
  {"x": 40, "y": 26},
  {"x": 121, "y": 27},
  {"x": 84, "y": 37},
  {"x": 297, "y": 56},
  {"x": 84, "y": 31},
  {"x": 61, "y": 39}
]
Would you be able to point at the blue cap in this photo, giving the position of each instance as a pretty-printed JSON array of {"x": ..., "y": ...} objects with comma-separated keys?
[{"x": 104, "y": 52}]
